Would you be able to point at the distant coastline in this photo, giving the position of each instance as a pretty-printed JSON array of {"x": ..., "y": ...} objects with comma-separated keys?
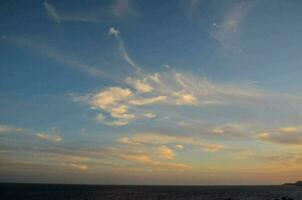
[{"x": 298, "y": 183}]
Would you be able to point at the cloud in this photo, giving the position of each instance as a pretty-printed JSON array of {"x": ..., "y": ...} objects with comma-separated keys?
[
  {"x": 128, "y": 141},
  {"x": 59, "y": 56},
  {"x": 140, "y": 85},
  {"x": 165, "y": 152},
  {"x": 116, "y": 33},
  {"x": 224, "y": 31},
  {"x": 161, "y": 90},
  {"x": 226, "y": 131},
  {"x": 117, "y": 10},
  {"x": 51, "y": 12},
  {"x": 121, "y": 122},
  {"x": 113, "y": 31},
  {"x": 75, "y": 166},
  {"x": 188, "y": 89},
  {"x": 83, "y": 158},
  {"x": 117, "y": 102},
  {"x": 166, "y": 88},
  {"x": 147, "y": 159},
  {"x": 159, "y": 139},
  {"x": 141, "y": 158},
  {"x": 283, "y": 135},
  {"x": 4, "y": 129},
  {"x": 184, "y": 98},
  {"x": 48, "y": 137},
  {"x": 27, "y": 133},
  {"x": 163, "y": 139},
  {"x": 147, "y": 101},
  {"x": 179, "y": 147},
  {"x": 212, "y": 147},
  {"x": 112, "y": 101},
  {"x": 149, "y": 115},
  {"x": 289, "y": 129}
]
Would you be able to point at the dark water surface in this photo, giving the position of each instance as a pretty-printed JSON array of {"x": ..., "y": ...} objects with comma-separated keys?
[{"x": 98, "y": 192}]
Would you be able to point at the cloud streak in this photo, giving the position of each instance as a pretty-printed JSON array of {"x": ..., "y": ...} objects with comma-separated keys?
[
  {"x": 224, "y": 31},
  {"x": 116, "y": 33},
  {"x": 117, "y": 10},
  {"x": 48, "y": 137},
  {"x": 60, "y": 57},
  {"x": 52, "y": 13},
  {"x": 285, "y": 135},
  {"x": 162, "y": 140}
]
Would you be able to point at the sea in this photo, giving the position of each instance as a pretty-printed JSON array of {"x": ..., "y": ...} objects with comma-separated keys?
[{"x": 12, "y": 191}]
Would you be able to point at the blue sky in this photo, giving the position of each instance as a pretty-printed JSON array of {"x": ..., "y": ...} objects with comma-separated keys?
[{"x": 150, "y": 92}]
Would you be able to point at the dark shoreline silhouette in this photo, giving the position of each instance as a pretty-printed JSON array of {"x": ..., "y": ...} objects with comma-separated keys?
[
  {"x": 298, "y": 183},
  {"x": 113, "y": 192}
]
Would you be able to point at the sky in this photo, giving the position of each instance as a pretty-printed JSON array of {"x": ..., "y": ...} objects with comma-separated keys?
[{"x": 197, "y": 92}]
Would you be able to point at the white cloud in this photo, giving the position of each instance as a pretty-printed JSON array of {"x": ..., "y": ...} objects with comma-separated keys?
[
  {"x": 116, "y": 33},
  {"x": 59, "y": 56},
  {"x": 113, "y": 31},
  {"x": 224, "y": 30},
  {"x": 118, "y": 10},
  {"x": 51, "y": 12},
  {"x": 9, "y": 129},
  {"x": 179, "y": 146},
  {"x": 75, "y": 166},
  {"x": 129, "y": 141},
  {"x": 49, "y": 137},
  {"x": 149, "y": 115}
]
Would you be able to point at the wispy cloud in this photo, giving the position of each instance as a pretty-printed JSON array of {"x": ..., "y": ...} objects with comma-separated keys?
[
  {"x": 75, "y": 166},
  {"x": 52, "y": 13},
  {"x": 116, "y": 10},
  {"x": 4, "y": 129},
  {"x": 59, "y": 56},
  {"x": 116, "y": 33},
  {"x": 163, "y": 139},
  {"x": 63, "y": 156},
  {"x": 224, "y": 30},
  {"x": 48, "y": 137},
  {"x": 289, "y": 135},
  {"x": 147, "y": 159},
  {"x": 166, "y": 88}
]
